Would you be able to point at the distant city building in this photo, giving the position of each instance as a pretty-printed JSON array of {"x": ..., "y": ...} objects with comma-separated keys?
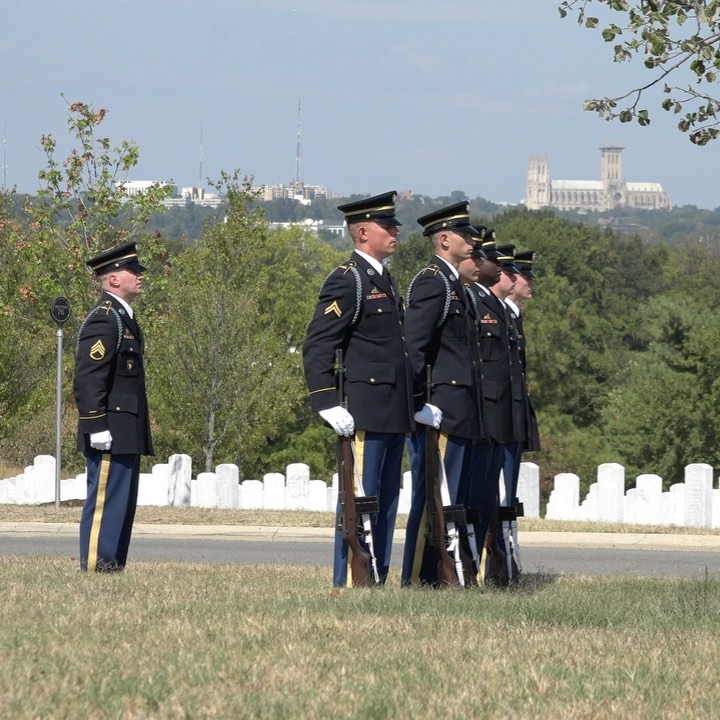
[
  {"x": 193, "y": 196},
  {"x": 304, "y": 194},
  {"x": 179, "y": 197},
  {"x": 608, "y": 193},
  {"x": 312, "y": 225}
]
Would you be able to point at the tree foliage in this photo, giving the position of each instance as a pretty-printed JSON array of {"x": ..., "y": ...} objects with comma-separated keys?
[
  {"x": 226, "y": 378},
  {"x": 679, "y": 43}
]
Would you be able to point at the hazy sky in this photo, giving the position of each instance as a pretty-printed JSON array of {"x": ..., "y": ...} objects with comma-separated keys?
[{"x": 396, "y": 94}]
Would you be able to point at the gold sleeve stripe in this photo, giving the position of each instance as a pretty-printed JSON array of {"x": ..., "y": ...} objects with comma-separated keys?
[{"x": 327, "y": 389}]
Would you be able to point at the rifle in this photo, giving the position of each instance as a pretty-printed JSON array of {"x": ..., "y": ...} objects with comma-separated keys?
[
  {"x": 494, "y": 570},
  {"x": 519, "y": 512},
  {"x": 362, "y": 564},
  {"x": 442, "y": 517}
]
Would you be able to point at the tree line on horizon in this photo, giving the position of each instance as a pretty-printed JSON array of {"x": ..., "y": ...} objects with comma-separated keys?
[{"x": 623, "y": 351}]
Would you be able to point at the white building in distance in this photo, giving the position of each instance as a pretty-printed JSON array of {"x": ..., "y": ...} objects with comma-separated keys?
[
  {"x": 298, "y": 191},
  {"x": 180, "y": 196},
  {"x": 608, "y": 193}
]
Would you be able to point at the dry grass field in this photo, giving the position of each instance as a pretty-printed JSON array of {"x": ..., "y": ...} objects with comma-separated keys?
[{"x": 191, "y": 641}]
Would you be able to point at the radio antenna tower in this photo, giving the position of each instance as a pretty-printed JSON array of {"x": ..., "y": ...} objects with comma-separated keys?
[
  {"x": 200, "y": 174},
  {"x": 298, "y": 153}
]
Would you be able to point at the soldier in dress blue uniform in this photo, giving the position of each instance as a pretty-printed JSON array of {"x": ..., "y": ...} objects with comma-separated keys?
[
  {"x": 360, "y": 311},
  {"x": 113, "y": 426},
  {"x": 438, "y": 335},
  {"x": 503, "y": 417},
  {"x": 522, "y": 292}
]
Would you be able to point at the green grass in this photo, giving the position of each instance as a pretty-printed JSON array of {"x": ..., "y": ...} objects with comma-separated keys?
[{"x": 189, "y": 641}]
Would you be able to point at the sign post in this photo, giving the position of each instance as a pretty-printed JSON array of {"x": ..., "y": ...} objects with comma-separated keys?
[{"x": 60, "y": 313}]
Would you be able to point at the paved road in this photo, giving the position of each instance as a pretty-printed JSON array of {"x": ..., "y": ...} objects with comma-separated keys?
[{"x": 567, "y": 553}]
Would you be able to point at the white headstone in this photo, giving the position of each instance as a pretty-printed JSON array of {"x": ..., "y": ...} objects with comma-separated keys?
[
  {"x": 297, "y": 489},
  {"x": 405, "y": 493},
  {"x": 666, "y": 508},
  {"x": 7, "y": 485},
  {"x": 588, "y": 507},
  {"x": 25, "y": 486},
  {"x": 228, "y": 486},
  {"x": 698, "y": 495},
  {"x": 630, "y": 506},
  {"x": 528, "y": 489},
  {"x": 43, "y": 479},
  {"x": 564, "y": 498},
  {"x": 74, "y": 488},
  {"x": 331, "y": 498},
  {"x": 611, "y": 491},
  {"x": 317, "y": 499},
  {"x": 203, "y": 490},
  {"x": 716, "y": 508},
  {"x": 251, "y": 497},
  {"x": 274, "y": 492},
  {"x": 677, "y": 504},
  {"x": 153, "y": 488},
  {"x": 11, "y": 491},
  {"x": 649, "y": 497},
  {"x": 179, "y": 476}
]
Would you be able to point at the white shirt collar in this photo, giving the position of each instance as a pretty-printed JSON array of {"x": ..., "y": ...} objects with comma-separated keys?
[
  {"x": 375, "y": 263},
  {"x": 455, "y": 271},
  {"x": 512, "y": 306},
  {"x": 122, "y": 302}
]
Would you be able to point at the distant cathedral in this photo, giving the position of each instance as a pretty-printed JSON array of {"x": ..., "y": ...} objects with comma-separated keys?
[{"x": 608, "y": 193}]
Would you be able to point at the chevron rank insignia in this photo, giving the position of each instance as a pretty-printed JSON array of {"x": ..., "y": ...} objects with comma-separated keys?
[
  {"x": 97, "y": 351},
  {"x": 333, "y": 308}
]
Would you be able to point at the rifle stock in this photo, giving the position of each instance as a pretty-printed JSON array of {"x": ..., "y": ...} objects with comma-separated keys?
[
  {"x": 349, "y": 522},
  {"x": 436, "y": 513}
]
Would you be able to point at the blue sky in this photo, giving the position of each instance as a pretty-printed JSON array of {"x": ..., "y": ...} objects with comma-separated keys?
[{"x": 396, "y": 94}]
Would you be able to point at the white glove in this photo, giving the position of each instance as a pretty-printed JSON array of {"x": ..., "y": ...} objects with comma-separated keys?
[
  {"x": 101, "y": 440},
  {"x": 339, "y": 419},
  {"x": 429, "y": 415}
]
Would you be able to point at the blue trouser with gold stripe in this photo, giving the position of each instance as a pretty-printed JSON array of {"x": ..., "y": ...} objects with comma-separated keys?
[
  {"x": 419, "y": 559},
  {"x": 379, "y": 463},
  {"x": 483, "y": 491},
  {"x": 109, "y": 511}
]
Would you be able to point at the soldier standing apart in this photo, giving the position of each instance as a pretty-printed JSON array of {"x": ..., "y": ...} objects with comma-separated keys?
[
  {"x": 360, "y": 311},
  {"x": 113, "y": 426},
  {"x": 438, "y": 335}
]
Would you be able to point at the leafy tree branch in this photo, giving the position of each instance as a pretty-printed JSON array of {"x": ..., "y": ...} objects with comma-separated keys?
[{"x": 672, "y": 37}]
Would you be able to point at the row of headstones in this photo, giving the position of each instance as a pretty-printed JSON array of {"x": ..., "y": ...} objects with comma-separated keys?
[
  {"x": 692, "y": 503},
  {"x": 172, "y": 484}
]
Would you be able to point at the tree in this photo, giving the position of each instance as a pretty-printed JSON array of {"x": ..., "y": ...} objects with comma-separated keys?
[
  {"x": 673, "y": 37},
  {"x": 226, "y": 378}
]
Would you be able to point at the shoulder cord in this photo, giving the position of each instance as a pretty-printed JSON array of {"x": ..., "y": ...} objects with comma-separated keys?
[
  {"x": 473, "y": 300},
  {"x": 446, "y": 309},
  {"x": 117, "y": 320},
  {"x": 358, "y": 289}
]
